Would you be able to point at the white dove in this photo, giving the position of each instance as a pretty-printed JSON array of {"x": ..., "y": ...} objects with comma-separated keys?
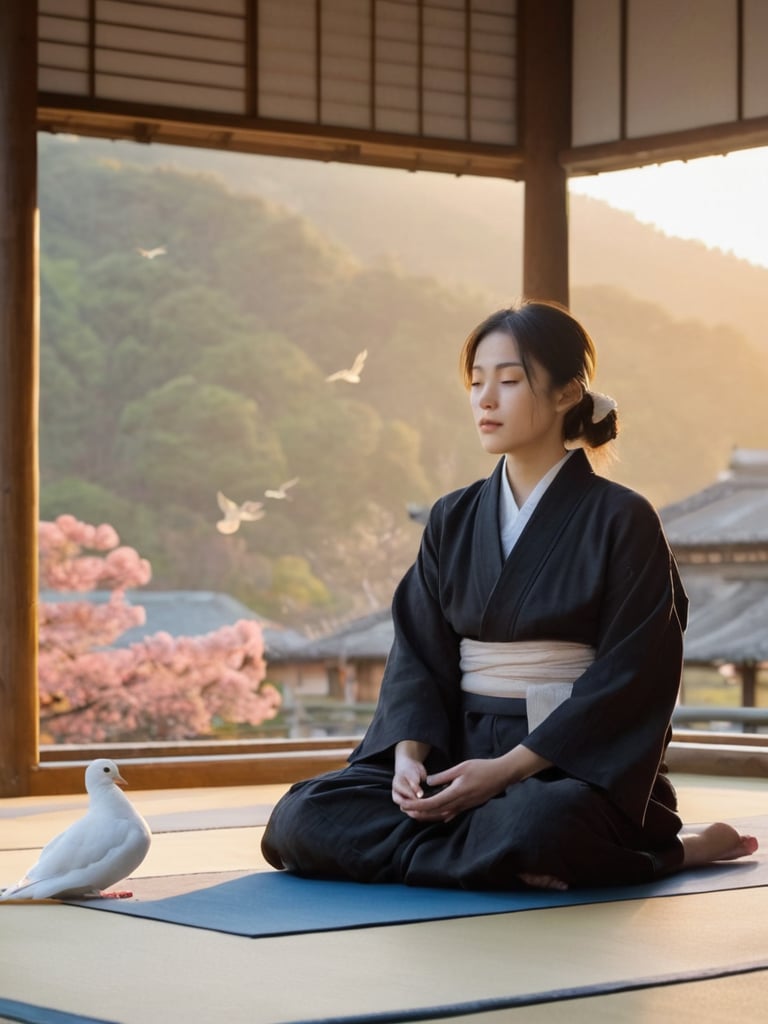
[
  {"x": 104, "y": 846},
  {"x": 352, "y": 375},
  {"x": 234, "y": 514},
  {"x": 282, "y": 490},
  {"x": 149, "y": 254}
]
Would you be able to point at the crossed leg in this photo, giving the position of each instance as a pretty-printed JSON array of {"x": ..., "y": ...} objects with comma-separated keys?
[{"x": 719, "y": 841}]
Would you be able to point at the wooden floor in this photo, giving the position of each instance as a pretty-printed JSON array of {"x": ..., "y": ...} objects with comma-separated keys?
[{"x": 676, "y": 958}]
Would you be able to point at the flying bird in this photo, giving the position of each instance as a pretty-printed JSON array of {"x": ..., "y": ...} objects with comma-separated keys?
[
  {"x": 282, "y": 490},
  {"x": 149, "y": 254},
  {"x": 104, "y": 846},
  {"x": 234, "y": 514},
  {"x": 352, "y": 375}
]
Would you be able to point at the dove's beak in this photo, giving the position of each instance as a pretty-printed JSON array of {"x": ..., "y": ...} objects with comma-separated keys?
[{"x": 119, "y": 780}]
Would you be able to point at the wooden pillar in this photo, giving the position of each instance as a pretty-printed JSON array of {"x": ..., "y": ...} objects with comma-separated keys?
[
  {"x": 748, "y": 673},
  {"x": 18, "y": 395},
  {"x": 546, "y": 29}
]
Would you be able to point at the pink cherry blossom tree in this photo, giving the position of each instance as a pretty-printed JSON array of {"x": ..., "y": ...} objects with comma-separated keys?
[{"x": 161, "y": 688}]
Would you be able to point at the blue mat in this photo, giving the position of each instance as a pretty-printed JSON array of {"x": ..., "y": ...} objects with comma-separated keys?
[
  {"x": 27, "y": 1013},
  {"x": 274, "y": 903}
]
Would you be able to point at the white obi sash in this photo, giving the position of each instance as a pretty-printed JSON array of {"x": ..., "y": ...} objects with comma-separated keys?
[{"x": 540, "y": 671}]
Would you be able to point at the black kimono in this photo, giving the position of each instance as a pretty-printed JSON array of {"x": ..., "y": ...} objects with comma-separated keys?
[{"x": 592, "y": 566}]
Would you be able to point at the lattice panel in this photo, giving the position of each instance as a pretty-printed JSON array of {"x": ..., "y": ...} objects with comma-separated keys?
[
  {"x": 653, "y": 67},
  {"x": 170, "y": 53},
  {"x": 435, "y": 68}
]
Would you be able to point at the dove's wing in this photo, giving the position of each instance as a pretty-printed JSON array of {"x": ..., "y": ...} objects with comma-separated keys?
[
  {"x": 227, "y": 506},
  {"x": 99, "y": 859},
  {"x": 359, "y": 362},
  {"x": 339, "y": 375},
  {"x": 282, "y": 490},
  {"x": 251, "y": 511},
  {"x": 82, "y": 844},
  {"x": 231, "y": 521}
]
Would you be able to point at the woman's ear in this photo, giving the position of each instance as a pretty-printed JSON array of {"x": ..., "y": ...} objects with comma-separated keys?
[{"x": 570, "y": 395}]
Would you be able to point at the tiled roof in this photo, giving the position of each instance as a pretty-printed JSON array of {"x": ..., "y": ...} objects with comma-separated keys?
[
  {"x": 728, "y": 619},
  {"x": 367, "y": 637},
  {"x": 734, "y": 510},
  {"x": 189, "y": 613}
]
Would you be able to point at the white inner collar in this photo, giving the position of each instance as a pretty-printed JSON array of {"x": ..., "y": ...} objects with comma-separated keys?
[{"x": 512, "y": 519}]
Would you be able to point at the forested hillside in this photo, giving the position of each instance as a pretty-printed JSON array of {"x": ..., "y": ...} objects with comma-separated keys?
[
  {"x": 469, "y": 231},
  {"x": 165, "y": 380}
]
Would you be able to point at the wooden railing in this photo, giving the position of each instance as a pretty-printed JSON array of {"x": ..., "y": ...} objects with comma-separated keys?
[
  {"x": 261, "y": 761},
  {"x": 750, "y": 719}
]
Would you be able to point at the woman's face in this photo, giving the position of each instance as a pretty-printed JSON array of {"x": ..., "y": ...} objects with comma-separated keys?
[{"x": 512, "y": 414}]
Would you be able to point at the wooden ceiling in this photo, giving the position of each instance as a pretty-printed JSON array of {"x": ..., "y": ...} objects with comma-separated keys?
[{"x": 418, "y": 84}]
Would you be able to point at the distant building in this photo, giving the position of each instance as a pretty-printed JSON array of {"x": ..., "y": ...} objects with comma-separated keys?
[
  {"x": 354, "y": 655},
  {"x": 719, "y": 536},
  {"x": 196, "y": 612},
  {"x": 720, "y": 539}
]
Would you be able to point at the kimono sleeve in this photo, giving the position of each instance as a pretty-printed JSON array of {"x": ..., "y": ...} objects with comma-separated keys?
[
  {"x": 613, "y": 730},
  {"x": 420, "y": 689}
]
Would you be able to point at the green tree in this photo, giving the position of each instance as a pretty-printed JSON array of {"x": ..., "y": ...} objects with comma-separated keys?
[{"x": 186, "y": 440}]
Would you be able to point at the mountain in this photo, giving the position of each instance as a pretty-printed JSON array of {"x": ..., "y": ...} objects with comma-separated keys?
[
  {"x": 468, "y": 231},
  {"x": 203, "y": 369}
]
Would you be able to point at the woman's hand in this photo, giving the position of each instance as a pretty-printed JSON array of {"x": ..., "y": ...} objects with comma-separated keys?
[
  {"x": 466, "y": 785},
  {"x": 410, "y": 772},
  {"x": 473, "y": 783}
]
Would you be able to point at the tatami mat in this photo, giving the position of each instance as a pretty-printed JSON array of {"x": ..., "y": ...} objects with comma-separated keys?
[
  {"x": 137, "y": 971},
  {"x": 737, "y": 997}
]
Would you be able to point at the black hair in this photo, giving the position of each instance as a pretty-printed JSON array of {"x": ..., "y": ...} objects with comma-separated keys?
[{"x": 547, "y": 334}]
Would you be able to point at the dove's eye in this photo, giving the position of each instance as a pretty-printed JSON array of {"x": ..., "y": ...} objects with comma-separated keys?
[{"x": 106, "y": 770}]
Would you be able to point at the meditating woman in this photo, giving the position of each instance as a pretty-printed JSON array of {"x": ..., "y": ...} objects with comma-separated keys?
[{"x": 526, "y": 703}]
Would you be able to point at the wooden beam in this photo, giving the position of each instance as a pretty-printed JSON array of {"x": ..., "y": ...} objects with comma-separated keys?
[
  {"x": 112, "y": 119},
  {"x": 711, "y": 140},
  {"x": 546, "y": 30},
  {"x": 53, "y": 778},
  {"x": 192, "y": 750},
  {"x": 18, "y": 395},
  {"x": 718, "y": 759}
]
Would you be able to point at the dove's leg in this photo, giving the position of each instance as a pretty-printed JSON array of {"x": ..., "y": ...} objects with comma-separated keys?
[{"x": 114, "y": 894}]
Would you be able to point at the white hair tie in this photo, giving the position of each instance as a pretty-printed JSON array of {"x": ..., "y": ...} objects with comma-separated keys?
[{"x": 601, "y": 405}]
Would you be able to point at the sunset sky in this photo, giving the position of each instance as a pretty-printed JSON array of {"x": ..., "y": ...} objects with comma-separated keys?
[{"x": 721, "y": 200}]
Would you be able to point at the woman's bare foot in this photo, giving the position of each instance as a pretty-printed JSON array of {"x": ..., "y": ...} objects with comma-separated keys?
[
  {"x": 543, "y": 881},
  {"x": 717, "y": 842}
]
